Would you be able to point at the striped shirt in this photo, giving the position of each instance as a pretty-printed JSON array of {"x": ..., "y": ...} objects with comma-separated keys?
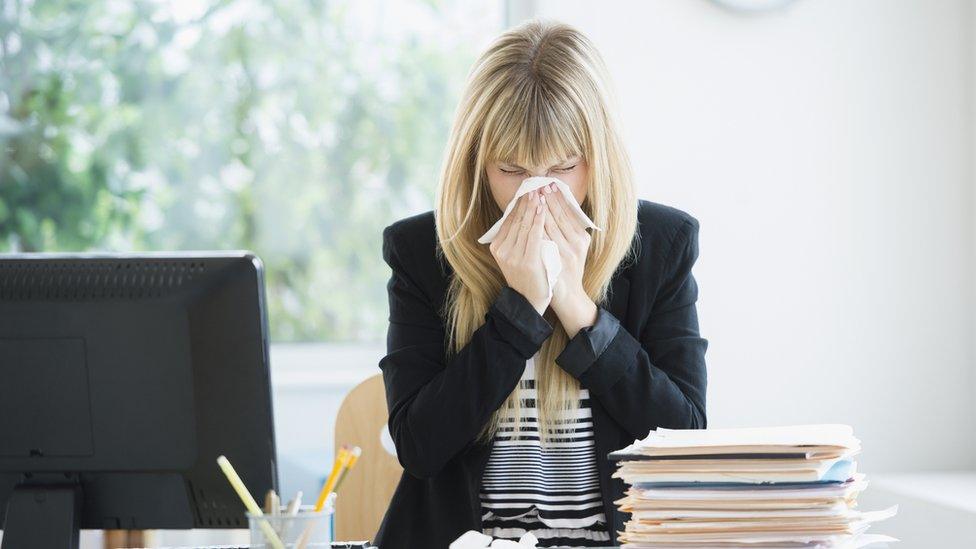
[{"x": 553, "y": 492}]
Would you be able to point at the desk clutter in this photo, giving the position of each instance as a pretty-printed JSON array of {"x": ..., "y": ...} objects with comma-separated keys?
[
  {"x": 331, "y": 545},
  {"x": 756, "y": 487},
  {"x": 473, "y": 539},
  {"x": 294, "y": 525}
]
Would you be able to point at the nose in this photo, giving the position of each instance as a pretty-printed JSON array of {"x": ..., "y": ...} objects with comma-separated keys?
[{"x": 539, "y": 172}]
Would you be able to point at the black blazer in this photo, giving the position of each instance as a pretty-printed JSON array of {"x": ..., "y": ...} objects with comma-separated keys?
[{"x": 643, "y": 363}]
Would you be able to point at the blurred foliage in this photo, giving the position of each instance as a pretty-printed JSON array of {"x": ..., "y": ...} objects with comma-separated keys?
[{"x": 294, "y": 128}]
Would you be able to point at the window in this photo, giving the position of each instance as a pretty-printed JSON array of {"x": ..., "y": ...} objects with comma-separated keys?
[
  {"x": 292, "y": 128},
  {"x": 297, "y": 129}
]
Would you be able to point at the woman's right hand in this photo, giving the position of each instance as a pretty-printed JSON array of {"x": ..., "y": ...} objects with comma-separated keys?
[{"x": 518, "y": 250}]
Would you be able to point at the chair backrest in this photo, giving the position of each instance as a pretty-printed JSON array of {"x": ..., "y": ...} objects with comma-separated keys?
[{"x": 366, "y": 492}]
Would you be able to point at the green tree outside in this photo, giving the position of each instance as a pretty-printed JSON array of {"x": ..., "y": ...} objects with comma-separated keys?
[{"x": 295, "y": 128}]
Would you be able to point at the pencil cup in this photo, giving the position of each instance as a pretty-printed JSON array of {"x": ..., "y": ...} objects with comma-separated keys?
[{"x": 307, "y": 529}]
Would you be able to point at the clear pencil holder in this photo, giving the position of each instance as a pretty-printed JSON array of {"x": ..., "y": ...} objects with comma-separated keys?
[{"x": 307, "y": 529}]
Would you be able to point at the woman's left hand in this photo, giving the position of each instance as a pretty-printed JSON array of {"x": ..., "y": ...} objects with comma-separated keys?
[{"x": 570, "y": 302}]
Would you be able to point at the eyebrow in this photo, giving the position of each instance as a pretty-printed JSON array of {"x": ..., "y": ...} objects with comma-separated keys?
[{"x": 577, "y": 158}]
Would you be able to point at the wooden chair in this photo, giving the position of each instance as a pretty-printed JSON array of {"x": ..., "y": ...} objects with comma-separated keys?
[
  {"x": 366, "y": 492},
  {"x": 116, "y": 539}
]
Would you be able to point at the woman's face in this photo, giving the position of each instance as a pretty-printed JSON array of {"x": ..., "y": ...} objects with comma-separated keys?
[{"x": 504, "y": 178}]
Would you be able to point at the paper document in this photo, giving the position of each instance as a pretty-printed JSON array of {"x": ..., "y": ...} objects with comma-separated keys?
[{"x": 793, "y": 486}]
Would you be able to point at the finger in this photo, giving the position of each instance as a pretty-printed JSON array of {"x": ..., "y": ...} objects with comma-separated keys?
[
  {"x": 510, "y": 226},
  {"x": 567, "y": 223},
  {"x": 506, "y": 228},
  {"x": 525, "y": 221},
  {"x": 558, "y": 205},
  {"x": 554, "y": 232},
  {"x": 535, "y": 232},
  {"x": 553, "y": 225}
]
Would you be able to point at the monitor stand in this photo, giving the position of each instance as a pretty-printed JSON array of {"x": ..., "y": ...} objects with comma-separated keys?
[{"x": 43, "y": 515}]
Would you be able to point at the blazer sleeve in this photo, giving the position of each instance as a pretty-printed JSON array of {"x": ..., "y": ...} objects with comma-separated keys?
[
  {"x": 437, "y": 407},
  {"x": 658, "y": 379}
]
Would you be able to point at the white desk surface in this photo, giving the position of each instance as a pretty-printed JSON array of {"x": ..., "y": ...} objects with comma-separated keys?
[{"x": 923, "y": 520}]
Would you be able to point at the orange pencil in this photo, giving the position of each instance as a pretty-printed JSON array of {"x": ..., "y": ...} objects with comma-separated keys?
[
  {"x": 342, "y": 459},
  {"x": 354, "y": 456}
]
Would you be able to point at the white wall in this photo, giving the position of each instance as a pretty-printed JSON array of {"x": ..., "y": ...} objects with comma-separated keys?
[
  {"x": 972, "y": 136},
  {"x": 826, "y": 149}
]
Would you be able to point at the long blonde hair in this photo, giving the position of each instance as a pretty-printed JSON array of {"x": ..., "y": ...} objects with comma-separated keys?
[{"x": 538, "y": 94}]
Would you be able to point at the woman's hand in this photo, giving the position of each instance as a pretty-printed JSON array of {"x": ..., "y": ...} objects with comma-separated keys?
[
  {"x": 517, "y": 250},
  {"x": 572, "y": 305}
]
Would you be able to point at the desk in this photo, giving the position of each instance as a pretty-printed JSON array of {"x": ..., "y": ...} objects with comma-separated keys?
[{"x": 919, "y": 524}]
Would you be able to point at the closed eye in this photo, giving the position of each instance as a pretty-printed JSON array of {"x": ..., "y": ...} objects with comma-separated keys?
[{"x": 520, "y": 171}]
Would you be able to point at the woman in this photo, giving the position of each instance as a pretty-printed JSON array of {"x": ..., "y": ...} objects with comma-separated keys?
[{"x": 504, "y": 401}]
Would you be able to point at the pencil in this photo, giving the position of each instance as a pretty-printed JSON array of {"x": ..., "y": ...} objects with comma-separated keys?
[
  {"x": 248, "y": 499},
  {"x": 356, "y": 452},
  {"x": 341, "y": 460}
]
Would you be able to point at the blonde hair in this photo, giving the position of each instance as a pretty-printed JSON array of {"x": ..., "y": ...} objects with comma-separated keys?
[{"x": 538, "y": 94}]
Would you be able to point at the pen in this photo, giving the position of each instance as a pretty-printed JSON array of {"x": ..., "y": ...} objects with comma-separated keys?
[
  {"x": 292, "y": 511},
  {"x": 249, "y": 503},
  {"x": 294, "y": 504}
]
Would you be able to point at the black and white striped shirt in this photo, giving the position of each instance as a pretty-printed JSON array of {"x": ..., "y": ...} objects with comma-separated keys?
[{"x": 552, "y": 491}]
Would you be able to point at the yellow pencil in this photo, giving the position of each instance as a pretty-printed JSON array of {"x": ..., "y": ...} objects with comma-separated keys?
[
  {"x": 356, "y": 452},
  {"x": 249, "y": 503},
  {"x": 341, "y": 460}
]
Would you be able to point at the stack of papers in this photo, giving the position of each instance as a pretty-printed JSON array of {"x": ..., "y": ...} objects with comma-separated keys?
[{"x": 766, "y": 488}]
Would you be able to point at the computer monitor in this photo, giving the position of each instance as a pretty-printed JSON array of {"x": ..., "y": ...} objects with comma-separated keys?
[{"x": 122, "y": 379}]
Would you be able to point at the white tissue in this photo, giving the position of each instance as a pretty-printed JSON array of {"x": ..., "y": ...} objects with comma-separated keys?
[
  {"x": 473, "y": 539},
  {"x": 550, "y": 251},
  {"x": 506, "y": 544}
]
